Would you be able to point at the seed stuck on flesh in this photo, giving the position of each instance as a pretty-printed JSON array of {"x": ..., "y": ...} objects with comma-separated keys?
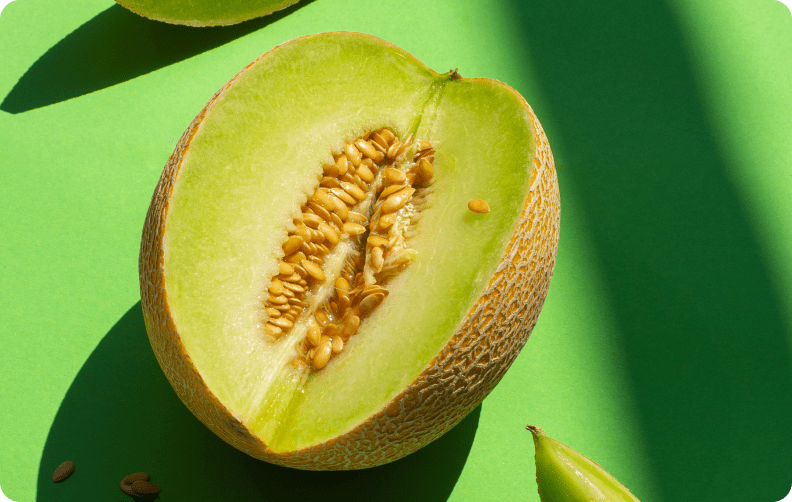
[
  {"x": 371, "y": 176},
  {"x": 478, "y": 206}
]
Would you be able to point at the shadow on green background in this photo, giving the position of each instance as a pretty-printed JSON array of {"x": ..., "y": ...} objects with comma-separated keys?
[
  {"x": 698, "y": 319},
  {"x": 116, "y": 46},
  {"x": 121, "y": 415}
]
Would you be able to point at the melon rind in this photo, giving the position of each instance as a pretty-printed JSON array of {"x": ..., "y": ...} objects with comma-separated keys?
[
  {"x": 453, "y": 383},
  {"x": 201, "y": 13}
]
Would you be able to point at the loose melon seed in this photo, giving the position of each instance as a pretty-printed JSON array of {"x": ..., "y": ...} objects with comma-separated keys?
[
  {"x": 372, "y": 164},
  {"x": 137, "y": 476},
  {"x": 478, "y": 206},
  {"x": 63, "y": 471},
  {"x": 145, "y": 488}
]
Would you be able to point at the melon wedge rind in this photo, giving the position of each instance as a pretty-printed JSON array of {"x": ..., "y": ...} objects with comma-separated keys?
[
  {"x": 204, "y": 13},
  {"x": 459, "y": 377}
]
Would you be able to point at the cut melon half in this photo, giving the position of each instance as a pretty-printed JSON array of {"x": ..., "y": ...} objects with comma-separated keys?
[
  {"x": 460, "y": 304},
  {"x": 204, "y": 12}
]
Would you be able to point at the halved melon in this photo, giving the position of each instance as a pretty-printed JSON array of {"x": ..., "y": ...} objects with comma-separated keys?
[
  {"x": 204, "y": 12},
  {"x": 246, "y": 328}
]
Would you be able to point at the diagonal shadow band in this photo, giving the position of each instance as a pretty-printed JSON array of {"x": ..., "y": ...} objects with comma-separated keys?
[
  {"x": 120, "y": 415},
  {"x": 116, "y": 46},
  {"x": 700, "y": 323}
]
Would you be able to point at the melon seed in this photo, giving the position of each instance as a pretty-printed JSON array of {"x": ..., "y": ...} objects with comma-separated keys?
[
  {"x": 478, "y": 206},
  {"x": 63, "y": 471},
  {"x": 286, "y": 269},
  {"x": 127, "y": 488},
  {"x": 323, "y": 199},
  {"x": 341, "y": 284},
  {"x": 344, "y": 196},
  {"x": 314, "y": 335},
  {"x": 137, "y": 476},
  {"x": 369, "y": 303},
  {"x": 376, "y": 259},
  {"x": 341, "y": 165},
  {"x": 376, "y": 241},
  {"x": 322, "y": 355},
  {"x": 355, "y": 217},
  {"x": 313, "y": 270},
  {"x": 422, "y": 172},
  {"x": 335, "y": 211},
  {"x": 329, "y": 182},
  {"x": 320, "y": 211},
  {"x": 380, "y": 141},
  {"x": 397, "y": 200},
  {"x": 353, "y": 228},
  {"x": 282, "y": 323},
  {"x": 292, "y": 244},
  {"x": 353, "y": 154},
  {"x": 365, "y": 174},
  {"x": 388, "y": 135},
  {"x": 293, "y": 287},
  {"x": 337, "y": 345},
  {"x": 393, "y": 176},
  {"x": 272, "y": 329},
  {"x": 311, "y": 220},
  {"x": 353, "y": 190},
  {"x": 390, "y": 190},
  {"x": 145, "y": 487}
]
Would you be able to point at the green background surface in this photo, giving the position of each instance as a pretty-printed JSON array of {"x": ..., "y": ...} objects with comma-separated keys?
[{"x": 664, "y": 348}]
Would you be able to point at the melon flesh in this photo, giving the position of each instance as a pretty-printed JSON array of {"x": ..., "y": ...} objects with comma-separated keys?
[
  {"x": 254, "y": 159},
  {"x": 204, "y": 12}
]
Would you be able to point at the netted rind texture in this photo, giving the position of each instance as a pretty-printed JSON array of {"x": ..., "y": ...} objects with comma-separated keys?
[{"x": 452, "y": 385}]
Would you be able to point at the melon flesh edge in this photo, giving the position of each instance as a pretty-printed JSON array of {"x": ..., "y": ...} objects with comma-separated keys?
[
  {"x": 256, "y": 156},
  {"x": 204, "y": 12}
]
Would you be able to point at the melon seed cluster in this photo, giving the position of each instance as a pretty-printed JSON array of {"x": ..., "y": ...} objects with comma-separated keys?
[
  {"x": 137, "y": 485},
  {"x": 377, "y": 175}
]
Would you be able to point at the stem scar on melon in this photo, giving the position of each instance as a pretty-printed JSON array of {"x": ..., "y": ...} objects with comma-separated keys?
[{"x": 313, "y": 283}]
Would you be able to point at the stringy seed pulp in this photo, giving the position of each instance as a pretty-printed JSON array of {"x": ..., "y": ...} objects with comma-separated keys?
[{"x": 368, "y": 197}]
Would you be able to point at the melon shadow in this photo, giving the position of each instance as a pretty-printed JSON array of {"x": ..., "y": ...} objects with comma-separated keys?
[
  {"x": 120, "y": 415},
  {"x": 699, "y": 321},
  {"x": 115, "y": 46}
]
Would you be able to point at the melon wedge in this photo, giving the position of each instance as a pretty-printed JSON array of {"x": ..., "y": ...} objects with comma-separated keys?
[
  {"x": 204, "y": 12},
  {"x": 455, "y": 318}
]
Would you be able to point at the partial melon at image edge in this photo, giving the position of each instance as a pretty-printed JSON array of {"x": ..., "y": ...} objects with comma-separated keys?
[
  {"x": 204, "y": 12},
  {"x": 453, "y": 384}
]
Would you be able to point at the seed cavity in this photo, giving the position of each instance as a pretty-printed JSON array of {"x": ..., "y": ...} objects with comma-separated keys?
[{"x": 366, "y": 201}]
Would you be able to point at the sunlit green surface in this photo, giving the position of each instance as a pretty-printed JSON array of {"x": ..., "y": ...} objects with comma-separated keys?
[{"x": 663, "y": 349}]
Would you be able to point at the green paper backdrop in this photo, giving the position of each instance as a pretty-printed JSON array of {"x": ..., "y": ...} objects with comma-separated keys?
[{"x": 663, "y": 351}]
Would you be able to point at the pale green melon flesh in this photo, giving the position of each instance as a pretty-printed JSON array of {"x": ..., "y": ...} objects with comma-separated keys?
[
  {"x": 563, "y": 474},
  {"x": 204, "y": 12},
  {"x": 249, "y": 167}
]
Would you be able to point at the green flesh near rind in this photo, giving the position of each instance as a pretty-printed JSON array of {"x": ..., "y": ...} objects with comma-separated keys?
[
  {"x": 204, "y": 12},
  {"x": 564, "y": 475},
  {"x": 248, "y": 170}
]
